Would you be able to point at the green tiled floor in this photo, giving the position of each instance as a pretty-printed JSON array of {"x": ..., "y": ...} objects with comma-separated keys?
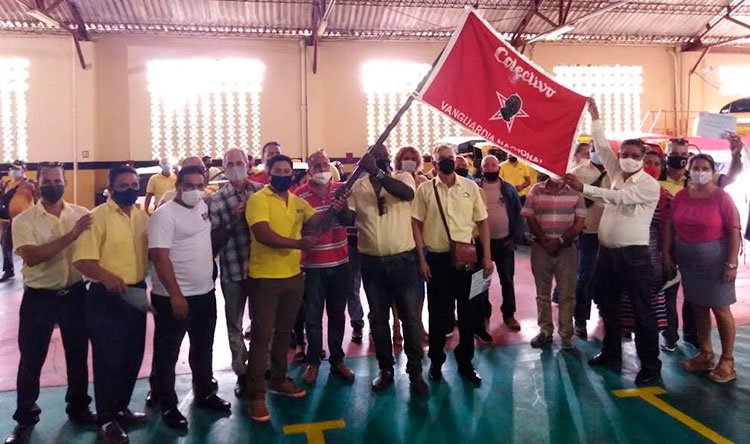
[{"x": 528, "y": 396}]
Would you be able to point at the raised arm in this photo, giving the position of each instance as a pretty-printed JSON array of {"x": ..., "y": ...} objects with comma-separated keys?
[{"x": 601, "y": 144}]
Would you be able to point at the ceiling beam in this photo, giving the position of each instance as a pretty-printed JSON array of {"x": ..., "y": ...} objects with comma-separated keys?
[
  {"x": 80, "y": 32},
  {"x": 695, "y": 43},
  {"x": 568, "y": 24},
  {"x": 516, "y": 40}
]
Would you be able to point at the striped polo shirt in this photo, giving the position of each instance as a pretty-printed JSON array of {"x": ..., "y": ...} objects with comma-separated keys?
[
  {"x": 555, "y": 212},
  {"x": 332, "y": 248}
]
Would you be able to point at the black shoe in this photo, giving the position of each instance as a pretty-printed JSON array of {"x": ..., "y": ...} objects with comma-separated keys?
[
  {"x": 214, "y": 403},
  {"x": 151, "y": 401},
  {"x": 20, "y": 434},
  {"x": 112, "y": 433},
  {"x": 7, "y": 275},
  {"x": 580, "y": 330},
  {"x": 603, "y": 359},
  {"x": 471, "y": 375},
  {"x": 248, "y": 333},
  {"x": 418, "y": 385},
  {"x": 483, "y": 336},
  {"x": 436, "y": 373},
  {"x": 240, "y": 388},
  {"x": 128, "y": 417},
  {"x": 82, "y": 416},
  {"x": 693, "y": 341},
  {"x": 357, "y": 335},
  {"x": 648, "y": 377},
  {"x": 669, "y": 346},
  {"x": 384, "y": 379},
  {"x": 173, "y": 418}
]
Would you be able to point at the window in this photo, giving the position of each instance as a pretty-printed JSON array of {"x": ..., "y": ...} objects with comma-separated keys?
[
  {"x": 617, "y": 91},
  {"x": 733, "y": 80},
  {"x": 14, "y": 75},
  {"x": 387, "y": 85},
  {"x": 202, "y": 106}
]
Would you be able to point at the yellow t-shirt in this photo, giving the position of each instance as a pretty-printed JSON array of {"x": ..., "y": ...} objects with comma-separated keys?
[
  {"x": 35, "y": 227},
  {"x": 675, "y": 186},
  {"x": 159, "y": 184},
  {"x": 517, "y": 174},
  {"x": 387, "y": 234},
  {"x": 285, "y": 219},
  {"x": 118, "y": 241},
  {"x": 462, "y": 204},
  {"x": 22, "y": 200}
]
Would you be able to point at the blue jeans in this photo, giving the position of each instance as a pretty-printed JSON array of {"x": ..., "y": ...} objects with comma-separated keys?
[
  {"x": 329, "y": 288},
  {"x": 588, "y": 246},
  {"x": 353, "y": 302}
]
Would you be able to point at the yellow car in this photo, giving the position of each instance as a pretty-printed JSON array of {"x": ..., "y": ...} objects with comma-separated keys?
[{"x": 741, "y": 109}]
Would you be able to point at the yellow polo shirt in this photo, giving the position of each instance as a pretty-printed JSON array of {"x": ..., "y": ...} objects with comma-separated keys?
[
  {"x": 35, "y": 227},
  {"x": 387, "y": 234},
  {"x": 463, "y": 206},
  {"x": 517, "y": 174},
  {"x": 158, "y": 184},
  {"x": 285, "y": 219},
  {"x": 118, "y": 241},
  {"x": 22, "y": 200}
]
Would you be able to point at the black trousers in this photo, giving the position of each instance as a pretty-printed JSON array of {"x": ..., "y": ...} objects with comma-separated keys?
[
  {"x": 447, "y": 289},
  {"x": 118, "y": 336},
  {"x": 169, "y": 332},
  {"x": 627, "y": 268},
  {"x": 7, "y": 246},
  {"x": 504, "y": 259},
  {"x": 40, "y": 311}
]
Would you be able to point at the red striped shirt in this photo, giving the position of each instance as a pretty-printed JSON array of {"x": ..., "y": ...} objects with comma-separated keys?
[{"x": 331, "y": 249}]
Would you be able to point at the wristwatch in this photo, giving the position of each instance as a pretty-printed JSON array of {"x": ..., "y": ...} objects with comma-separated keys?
[
  {"x": 731, "y": 266},
  {"x": 380, "y": 174}
]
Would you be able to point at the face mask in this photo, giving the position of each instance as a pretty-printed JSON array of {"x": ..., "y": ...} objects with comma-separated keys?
[
  {"x": 701, "y": 177},
  {"x": 322, "y": 178},
  {"x": 595, "y": 159},
  {"x": 629, "y": 165},
  {"x": 653, "y": 171},
  {"x": 676, "y": 162},
  {"x": 52, "y": 193},
  {"x": 409, "y": 165},
  {"x": 281, "y": 183},
  {"x": 236, "y": 174},
  {"x": 192, "y": 197},
  {"x": 492, "y": 176},
  {"x": 513, "y": 159},
  {"x": 125, "y": 198},
  {"x": 447, "y": 165},
  {"x": 166, "y": 169},
  {"x": 383, "y": 164},
  {"x": 16, "y": 174},
  {"x": 463, "y": 172}
]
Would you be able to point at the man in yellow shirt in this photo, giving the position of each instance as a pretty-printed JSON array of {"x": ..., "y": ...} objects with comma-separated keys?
[
  {"x": 18, "y": 195},
  {"x": 517, "y": 174},
  {"x": 158, "y": 184},
  {"x": 447, "y": 209},
  {"x": 275, "y": 217},
  {"x": 382, "y": 204},
  {"x": 54, "y": 293},
  {"x": 113, "y": 255}
]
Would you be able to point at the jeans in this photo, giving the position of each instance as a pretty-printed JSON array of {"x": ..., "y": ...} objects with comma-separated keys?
[
  {"x": 7, "y": 246},
  {"x": 353, "y": 303},
  {"x": 275, "y": 305},
  {"x": 40, "y": 311},
  {"x": 118, "y": 336},
  {"x": 235, "y": 297},
  {"x": 588, "y": 247},
  {"x": 616, "y": 270},
  {"x": 388, "y": 280},
  {"x": 447, "y": 289},
  {"x": 169, "y": 332},
  {"x": 563, "y": 268},
  {"x": 504, "y": 259},
  {"x": 670, "y": 333},
  {"x": 326, "y": 288}
]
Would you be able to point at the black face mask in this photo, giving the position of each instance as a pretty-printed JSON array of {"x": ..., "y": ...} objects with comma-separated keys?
[
  {"x": 492, "y": 176},
  {"x": 126, "y": 198},
  {"x": 383, "y": 164},
  {"x": 513, "y": 159},
  {"x": 281, "y": 183},
  {"x": 447, "y": 165},
  {"x": 677, "y": 162},
  {"x": 52, "y": 193},
  {"x": 463, "y": 172}
]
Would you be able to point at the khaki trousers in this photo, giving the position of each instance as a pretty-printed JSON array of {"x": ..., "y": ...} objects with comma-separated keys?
[{"x": 564, "y": 268}]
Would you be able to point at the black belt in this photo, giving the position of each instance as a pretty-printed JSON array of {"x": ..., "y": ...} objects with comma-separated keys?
[
  {"x": 60, "y": 292},
  {"x": 390, "y": 257}
]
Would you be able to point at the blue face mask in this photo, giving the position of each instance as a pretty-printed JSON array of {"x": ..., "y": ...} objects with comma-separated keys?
[
  {"x": 166, "y": 168},
  {"x": 595, "y": 159},
  {"x": 281, "y": 183}
]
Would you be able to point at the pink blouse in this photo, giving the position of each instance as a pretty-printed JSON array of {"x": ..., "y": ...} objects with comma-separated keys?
[{"x": 702, "y": 220}]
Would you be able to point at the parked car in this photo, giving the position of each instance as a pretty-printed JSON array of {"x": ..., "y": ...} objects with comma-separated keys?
[{"x": 741, "y": 109}]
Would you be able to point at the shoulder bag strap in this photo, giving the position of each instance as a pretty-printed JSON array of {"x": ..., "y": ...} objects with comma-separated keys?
[
  {"x": 598, "y": 181},
  {"x": 440, "y": 207}
]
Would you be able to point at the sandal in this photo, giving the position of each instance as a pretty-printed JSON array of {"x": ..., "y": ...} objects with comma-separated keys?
[
  {"x": 717, "y": 375},
  {"x": 701, "y": 362}
]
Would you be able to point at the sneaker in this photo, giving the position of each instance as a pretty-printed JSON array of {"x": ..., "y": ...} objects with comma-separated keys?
[
  {"x": 567, "y": 343},
  {"x": 512, "y": 323},
  {"x": 669, "y": 346},
  {"x": 258, "y": 411},
  {"x": 288, "y": 388},
  {"x": 483, "y": 336},
  {"x": 541, "y": 340}
]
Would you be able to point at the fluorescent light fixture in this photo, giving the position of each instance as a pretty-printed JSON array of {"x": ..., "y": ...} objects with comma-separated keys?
[
  {"x": 322, "y": 27},
  {"x": 557, "y": 32},
  {"x": 43, "y": 17}
]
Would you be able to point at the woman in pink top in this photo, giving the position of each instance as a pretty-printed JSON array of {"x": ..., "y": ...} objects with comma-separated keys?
[{"x": 704, "y": 228}]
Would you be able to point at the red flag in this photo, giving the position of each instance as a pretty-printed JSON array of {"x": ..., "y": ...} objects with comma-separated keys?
[{"x": 486, "y": 86}]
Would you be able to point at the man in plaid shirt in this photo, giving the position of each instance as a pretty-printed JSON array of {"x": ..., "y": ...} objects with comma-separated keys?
[{"x": 229, "y": 229}]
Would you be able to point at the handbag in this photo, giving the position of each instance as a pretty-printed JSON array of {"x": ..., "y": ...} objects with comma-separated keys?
[{"x": 463, "y": 254}]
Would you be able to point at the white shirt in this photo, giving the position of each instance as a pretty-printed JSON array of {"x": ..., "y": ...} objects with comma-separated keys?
[
  {"x": 186, "y": 232},
  {"x": 629, "y": 204}
]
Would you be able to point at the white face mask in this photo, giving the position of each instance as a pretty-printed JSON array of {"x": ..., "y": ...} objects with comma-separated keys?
[
  {"x": 322, "y": 178},
  {"x": 409, "y": 165},
  {"x": 191, "y": 198},
  {"x": 701, "y": 177},
  {"x": 236, "y": 174},
  {"x": 16, "y": 174},
  {"x": 629, "y": 165}
]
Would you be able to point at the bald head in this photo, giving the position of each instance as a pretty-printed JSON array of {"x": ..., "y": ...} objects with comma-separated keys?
[
  {"x": 490, "y": 164},
  {"x": 192, "y": 161}
]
